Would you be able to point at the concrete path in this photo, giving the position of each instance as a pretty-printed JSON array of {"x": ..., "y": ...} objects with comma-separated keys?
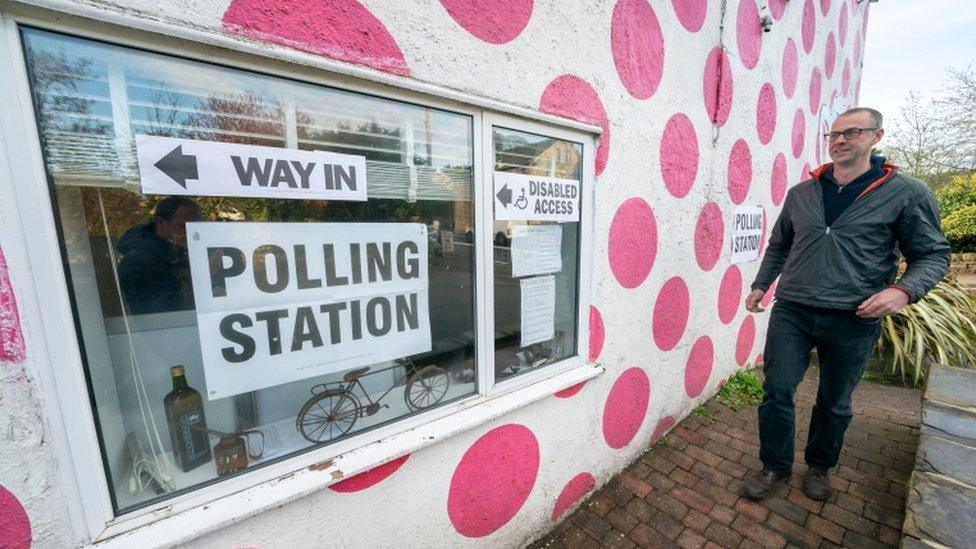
[{"x": 686, "y": 493}]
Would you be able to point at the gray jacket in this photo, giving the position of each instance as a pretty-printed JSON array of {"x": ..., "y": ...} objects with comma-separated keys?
[{"x": 840, "y": 266}]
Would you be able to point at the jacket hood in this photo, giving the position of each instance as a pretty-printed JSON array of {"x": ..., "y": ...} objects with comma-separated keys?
[{"x": 876, "y": 161}]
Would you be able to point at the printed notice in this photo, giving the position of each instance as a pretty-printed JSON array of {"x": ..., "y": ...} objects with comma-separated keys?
[
  {"x": 747, "y": 228},
  {"x": 520, "y": 197},
  {"x": 538, "y": 309},
  {"x": 171, "y": 166},
  {"x": 282, "y": 302},
  {"x": 536, "y": 249}
]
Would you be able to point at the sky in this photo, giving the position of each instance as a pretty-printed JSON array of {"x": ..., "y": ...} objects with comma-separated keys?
[{"x": 909, "y": 46}]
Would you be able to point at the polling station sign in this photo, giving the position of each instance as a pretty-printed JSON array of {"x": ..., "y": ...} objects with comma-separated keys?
[
  {"x": 281, "y": 302},
  {"x": 173, "y": 166},
  {"x": 520, "y": 197},
  {"x": 747, "y": 226}
]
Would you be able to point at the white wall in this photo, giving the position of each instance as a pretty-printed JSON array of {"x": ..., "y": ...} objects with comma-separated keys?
[{"x": 597, "y": 430}]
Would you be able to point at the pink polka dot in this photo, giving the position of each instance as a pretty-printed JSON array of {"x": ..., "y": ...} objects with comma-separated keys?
[
  {"x": 858, "y": 44},
  {"x": 494, "y": 21},
  {"x": 571, "y": 97},
  {"x": 789, "y": 68},
  {"x": 679, "y": 155},
  {"x": 571, "y": 390},
  {"x": 799, "y": 132},
  {"x": 805, "y": 172},
  {"x": 842, "y": 24},
  {"x": 493, "y": 480},
  {"x": 691, "y": 13},
  {"x": 845, "y": 78},
  {"x": 808, "y": 30},
  {"x": 670, "y": 313},
  {"x": 638, "y": 47},
  {"x": 699, "y": 366},
  {"x": 830, "y": 56},
  {"x": 663, "y": 426},
  {"x": 597, "y": 333},
  {"x": 824, "y": 6},
  {"x": 12, "y": 347},
  {"x": 864, "y": 21},
  {"x": 370, "y": 477},
  {"x": 777, "y": 8},
  {"x": 625, "y": 408},
  {"x": 709, "y": 236},
  {"x": 717, "y": 86},
  {"x": 816, "y": 85},
  {"x": 340, "y": 29},
  {"x": 748, "y": 33},
  {"x": 766, "y": 114},
  {"x": 633, "y": 242},
  {"x": 760, "y": 359},
  {"x": 739, "y": 174},
  {"x": 729, "y": 294},
  {"x": 769, "y": 295},
  {"x": 743, "y": 343},
  {"x": 574, "y": 491},
  {"x": 777, "y": 183},
  {"x": 15, "y": 526}
]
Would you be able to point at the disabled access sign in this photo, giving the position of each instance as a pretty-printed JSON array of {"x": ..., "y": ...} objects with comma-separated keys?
[{"x": 520, "y": 197}]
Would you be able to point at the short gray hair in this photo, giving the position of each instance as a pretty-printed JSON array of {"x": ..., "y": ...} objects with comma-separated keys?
[{"x": 875, "y": 114}]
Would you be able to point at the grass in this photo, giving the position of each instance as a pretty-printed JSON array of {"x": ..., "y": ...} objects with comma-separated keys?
[
  {"x": 744, "y": 388},
  {"x": 703, "y": 413},
  {"x": 664, "y": 441}
]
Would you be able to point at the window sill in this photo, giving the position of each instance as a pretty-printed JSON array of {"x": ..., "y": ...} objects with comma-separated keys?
[{"x": 303, "y": 475}]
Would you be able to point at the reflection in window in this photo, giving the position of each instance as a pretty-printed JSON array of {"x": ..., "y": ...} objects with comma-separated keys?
[
  {"x": 531, "y": 154},
  {"x": 126, "y": 254}
]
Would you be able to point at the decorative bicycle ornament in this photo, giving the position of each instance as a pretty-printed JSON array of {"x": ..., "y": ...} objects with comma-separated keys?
[{"x": 334, "y": 407}]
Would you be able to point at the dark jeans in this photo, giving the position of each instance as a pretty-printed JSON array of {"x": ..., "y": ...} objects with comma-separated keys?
[{"x": 843, "y": 341}]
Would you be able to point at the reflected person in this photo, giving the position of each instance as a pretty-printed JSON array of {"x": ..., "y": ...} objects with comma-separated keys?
[{"x": 154, "y": 271}]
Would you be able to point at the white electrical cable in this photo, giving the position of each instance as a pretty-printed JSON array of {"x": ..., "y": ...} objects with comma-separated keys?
[{"x": 142, "y": 395}]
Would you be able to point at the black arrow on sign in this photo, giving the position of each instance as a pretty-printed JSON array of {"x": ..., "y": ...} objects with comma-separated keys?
[
  {"x": 178, "y": 166},
  {"x": 505, "y": 195}
]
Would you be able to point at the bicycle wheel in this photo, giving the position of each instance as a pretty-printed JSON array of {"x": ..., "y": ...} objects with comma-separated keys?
[
  {"x": 426, "y": 387},
  {"x": 328, "y": 415}
]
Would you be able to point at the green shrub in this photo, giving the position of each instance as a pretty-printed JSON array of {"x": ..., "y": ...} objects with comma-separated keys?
[
  {"x": 959, "y": 193},
  {"x": 960, "y": 229},
  {"x": 940, "y": 327}
]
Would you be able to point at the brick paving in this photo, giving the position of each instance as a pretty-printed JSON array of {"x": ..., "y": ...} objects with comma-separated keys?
[{"x": 685, "y": 493}]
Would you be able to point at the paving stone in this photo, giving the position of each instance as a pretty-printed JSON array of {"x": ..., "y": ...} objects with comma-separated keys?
[
  {"x": 853, "y": 539},
  {"x": 696, "y": 520},
  {"x": 934, "y": 508},
  {"x": 949, "y": 423},
  {"x": 616, "y": 540},
  {"x": 952, "y": 386},
  {"x": 829, "y": 530},
  {"x": 689, "y": 539},
  {"x": 635, "y": 485},
  {"x": 786, "y": 509},
  {"x": 752, "y": 510},
  {"x": 758, "y": 533},
  {"x": 667, "y": 526},
  {"x": 849, "y": 520},
  {"x": 722, "y": 535},
  {"x": 645, "y": 536},
  {"x": 692, "y": 499},
  {"x": 792, "y": 531},
  {"x": 621, "y": 521},
  {"x": 594, "y": 526},
  {"x": 947, "y": 457},
  {"x": 640, "y": 509}
]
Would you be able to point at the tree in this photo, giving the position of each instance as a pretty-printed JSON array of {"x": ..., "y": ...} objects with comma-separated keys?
[
  {"x": 919, "y": 141},
  {"x": 958, "y": 106}
]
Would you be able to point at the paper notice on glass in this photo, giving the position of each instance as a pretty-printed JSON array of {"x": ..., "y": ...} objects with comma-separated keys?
[
  {"x": 536, "y": 249},
  {"x": 747, "y": 229},
  {"x": 538, "y": 309}
]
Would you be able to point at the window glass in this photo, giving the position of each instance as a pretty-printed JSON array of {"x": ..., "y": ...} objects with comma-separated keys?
[
  {"x": 129, "y": 260},
  {"x": 550, "y": 290}
]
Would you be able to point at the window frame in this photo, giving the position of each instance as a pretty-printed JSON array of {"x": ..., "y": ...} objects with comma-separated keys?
[{"x": 65, "y": 390}]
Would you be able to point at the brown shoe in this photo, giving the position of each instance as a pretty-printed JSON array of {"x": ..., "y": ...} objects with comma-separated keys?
[
  {"x": 816, "y": 484},
  {"x": 761, "y": 484}
]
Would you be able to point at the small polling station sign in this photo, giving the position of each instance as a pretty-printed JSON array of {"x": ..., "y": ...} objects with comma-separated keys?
[
  {"x": 747, "y": 228},
  {"x": 520, "y": 197},
  {"x": 174, "y": 166},
  {"x": 282, "y": 302}
]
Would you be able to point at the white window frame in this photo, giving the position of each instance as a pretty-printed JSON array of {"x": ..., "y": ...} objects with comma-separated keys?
[{"x": 63, "y": 386}]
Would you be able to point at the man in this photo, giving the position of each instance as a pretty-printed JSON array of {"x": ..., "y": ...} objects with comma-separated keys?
[
  {"x": 834, "y": 247},
  {"x": 154, "y": 269}
]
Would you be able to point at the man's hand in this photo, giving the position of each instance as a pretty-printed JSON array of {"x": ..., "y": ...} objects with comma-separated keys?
[
  {"x": 885, "y": 302},
  {"x": 752, "y": 301}
]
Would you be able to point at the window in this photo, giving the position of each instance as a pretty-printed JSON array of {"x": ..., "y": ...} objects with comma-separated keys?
[
  {"x": 515, "y": 351},
  {"x": 161, "y": 283}
]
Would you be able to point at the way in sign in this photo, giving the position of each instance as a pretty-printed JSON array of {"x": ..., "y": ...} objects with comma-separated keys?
[{"x": 171, "y": 166}]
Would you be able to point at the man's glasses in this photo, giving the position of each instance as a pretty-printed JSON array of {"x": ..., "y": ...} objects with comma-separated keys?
[{"x": 849, "y": 133}]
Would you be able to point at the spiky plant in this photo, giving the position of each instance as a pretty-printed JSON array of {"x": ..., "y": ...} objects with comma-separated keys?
[{"x": 940, "y": 327}]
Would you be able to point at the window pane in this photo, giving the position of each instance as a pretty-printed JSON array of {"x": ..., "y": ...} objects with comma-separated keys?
[
  {"x": 531, "y": 154},
  {"x": 128, "y": 263}
]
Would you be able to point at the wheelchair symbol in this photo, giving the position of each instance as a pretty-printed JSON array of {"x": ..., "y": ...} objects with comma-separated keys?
[{"x": 521, "y": 202}]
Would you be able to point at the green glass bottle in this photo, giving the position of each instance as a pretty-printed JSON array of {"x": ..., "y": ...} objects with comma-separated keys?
[{"x": 184, "y": 414}]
